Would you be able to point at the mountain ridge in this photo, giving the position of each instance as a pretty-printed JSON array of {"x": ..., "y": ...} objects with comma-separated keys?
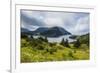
[{"x": 49, "y": 32}]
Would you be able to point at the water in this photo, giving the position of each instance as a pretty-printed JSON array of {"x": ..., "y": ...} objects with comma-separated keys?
[{"x": 58, "y": 39}]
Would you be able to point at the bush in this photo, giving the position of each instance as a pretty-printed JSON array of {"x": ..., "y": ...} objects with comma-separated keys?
[
  {"x": 40, "y": 47},
  {"x": 84, "y": 46},
  {"x": 24, "y": 43}
]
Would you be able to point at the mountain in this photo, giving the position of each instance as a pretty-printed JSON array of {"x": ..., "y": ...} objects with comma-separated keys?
[
  {"x": 24, "y": 30},
  {"x": 40, "y": 30},
  {"x": 48, "y": 32},
  {"x": 51, "y": 32},
  {"x": 73, "y": 37}
]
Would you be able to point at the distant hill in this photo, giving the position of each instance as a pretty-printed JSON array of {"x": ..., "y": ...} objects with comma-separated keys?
[
  {"x": 84, "y": 39},
  {"x": 55, "y": 32},
  {"x": 48, "y": 32},
  {"x": 40, "y": 30},
  {"x": 24, "y": 30}
]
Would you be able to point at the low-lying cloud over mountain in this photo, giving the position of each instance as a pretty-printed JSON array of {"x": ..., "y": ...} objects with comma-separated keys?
[{"x": 75, "y": 22}]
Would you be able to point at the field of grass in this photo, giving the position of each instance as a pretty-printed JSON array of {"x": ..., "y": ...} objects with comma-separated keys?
[{"x": 40, "y": 50}]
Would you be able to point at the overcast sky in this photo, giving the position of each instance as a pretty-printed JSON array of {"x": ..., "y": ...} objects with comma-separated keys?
[{"x": 74, "y": 22}]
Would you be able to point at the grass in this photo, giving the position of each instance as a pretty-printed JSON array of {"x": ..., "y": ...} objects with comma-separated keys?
[{"x": 41, "y": 51}]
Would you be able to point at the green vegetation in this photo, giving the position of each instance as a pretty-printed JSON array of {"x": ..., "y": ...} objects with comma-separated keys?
[{"x": 40, "y": 50}]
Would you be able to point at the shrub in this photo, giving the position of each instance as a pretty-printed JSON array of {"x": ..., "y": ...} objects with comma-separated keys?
[{"x": 24, "y": 43}]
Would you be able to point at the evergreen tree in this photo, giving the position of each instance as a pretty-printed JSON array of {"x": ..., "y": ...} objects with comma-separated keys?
[
  {"x": 41, "y": 38},
  {"x": 45, "y": 39},
  {"x": 77, "y": 44},
  {"x": 62, "y": 42},
  {"x": 23, "y": 36},
  {"x": 31, "y": 36},
  {"x": 66, "y": 43}
]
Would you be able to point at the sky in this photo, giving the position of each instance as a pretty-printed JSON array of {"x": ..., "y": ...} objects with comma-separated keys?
[{"x": 76, "y": 23}]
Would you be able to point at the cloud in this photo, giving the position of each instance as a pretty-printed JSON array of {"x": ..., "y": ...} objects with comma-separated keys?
[
  {"x": 33, "y": 14},
  {"x": 62, "y": 19},
  {"x": 29, "y": 27},
  {"x": 53, "y": 22},
  {"x": 28, "y": 19},
  {"x": 82, "y": 26},
  {"x": 74, "y": 22}
]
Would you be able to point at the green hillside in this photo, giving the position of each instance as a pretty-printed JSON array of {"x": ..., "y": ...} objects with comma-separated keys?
[
  {"x": 84, "y": 39},
  {"x": 40, "y": 50}
]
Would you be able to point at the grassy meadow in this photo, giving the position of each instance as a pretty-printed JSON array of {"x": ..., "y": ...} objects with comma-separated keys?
[{"x": 41, "y": 50}]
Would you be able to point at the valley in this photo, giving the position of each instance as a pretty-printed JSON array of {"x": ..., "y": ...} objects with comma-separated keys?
[{"x": 53, "y": 44}]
